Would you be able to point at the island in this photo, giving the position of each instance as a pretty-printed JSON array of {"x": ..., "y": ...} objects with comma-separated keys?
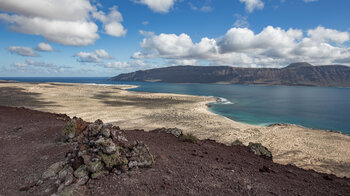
[{"x": 295, "y": 74}]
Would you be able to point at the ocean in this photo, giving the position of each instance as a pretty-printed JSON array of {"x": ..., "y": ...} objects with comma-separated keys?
[{"x": 314, "y": 107}]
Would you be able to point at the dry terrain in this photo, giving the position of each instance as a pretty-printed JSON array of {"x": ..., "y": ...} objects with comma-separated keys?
[
  {"x": 306, "y": 148},
  {"x": 30, "y": 144}
]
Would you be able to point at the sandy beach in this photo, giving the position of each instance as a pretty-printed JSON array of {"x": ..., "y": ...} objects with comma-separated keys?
[{"x": 322, "y": 151}]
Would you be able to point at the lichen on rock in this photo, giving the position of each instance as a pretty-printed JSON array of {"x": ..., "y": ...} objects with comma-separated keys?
[
  {"x": 259, "y": 149},
  {"x": 174, "y": 131},
  {"x": 73, "y": 129},
  {"x": 140, "y": 156}
]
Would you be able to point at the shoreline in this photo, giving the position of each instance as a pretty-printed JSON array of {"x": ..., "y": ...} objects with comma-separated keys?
[
  {"x": 320, "y": 150},
  {"x": 208, "y": 106}
]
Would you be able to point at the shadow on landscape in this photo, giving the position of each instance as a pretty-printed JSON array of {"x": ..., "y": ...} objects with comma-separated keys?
[
  {"x": 142, "y": 102},
  {"x": 18, "y": 97},
  {"x": 59, "y": 84}
]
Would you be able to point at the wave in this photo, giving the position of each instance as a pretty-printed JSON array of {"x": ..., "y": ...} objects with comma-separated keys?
[
  {"x": 95, "y": 84},
  {"x": 221, "y": 100}
]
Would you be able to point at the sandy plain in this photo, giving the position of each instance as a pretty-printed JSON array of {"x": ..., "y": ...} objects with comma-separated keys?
[{"x": 319, "y": 150}]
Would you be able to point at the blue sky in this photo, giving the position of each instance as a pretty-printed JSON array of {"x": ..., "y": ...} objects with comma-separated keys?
[{"x": 105, "y": 38}]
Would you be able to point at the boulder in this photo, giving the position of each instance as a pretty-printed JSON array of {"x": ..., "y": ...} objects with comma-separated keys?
[
  {"x": 94, "y": 167},
  {"x": 68, "y": 131},
  {"x": 83, "y": 180},
  {"x": 73, "y": 128},
  {"x": 106, "y": 132},
  {"x": 107, "y": 145},
  {"x": 69, "y": 179},
  {"x": 113, "y": 160},
  {"x": 140, "y": 156},
  {"x": 53, "y": 170},
  {"x": 237, "y": 143},
  {"x": 174, "y": 131},
  {"x": 119, "y": 138},
  {"x": 64, "y": 172},
  {"x": 81, "y": 172},
  {"x": 95, "y": 128},
  {"x": 259, "y": 149}
]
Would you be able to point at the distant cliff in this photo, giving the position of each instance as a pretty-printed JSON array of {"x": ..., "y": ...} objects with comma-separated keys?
[{"x": 296, "y": 74}]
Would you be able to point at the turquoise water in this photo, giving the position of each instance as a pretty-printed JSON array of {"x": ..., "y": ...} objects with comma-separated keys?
[{"x": 315, "y": 107}]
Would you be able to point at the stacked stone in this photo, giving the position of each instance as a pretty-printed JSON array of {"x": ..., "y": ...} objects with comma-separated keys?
[{"x": 101, "y": 149}]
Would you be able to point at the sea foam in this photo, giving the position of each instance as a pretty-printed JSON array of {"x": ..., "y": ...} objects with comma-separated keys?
[{"x": 221, "y": 100}]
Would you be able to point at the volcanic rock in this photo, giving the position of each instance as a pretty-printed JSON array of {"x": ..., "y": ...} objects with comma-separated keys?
[{"x": 259, "y": 149}]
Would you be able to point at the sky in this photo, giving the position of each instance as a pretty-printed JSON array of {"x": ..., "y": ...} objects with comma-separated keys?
[{"x": 102, "y": 38}]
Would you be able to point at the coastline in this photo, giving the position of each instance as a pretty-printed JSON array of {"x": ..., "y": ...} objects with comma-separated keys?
[{"x": 321, "y": 150}]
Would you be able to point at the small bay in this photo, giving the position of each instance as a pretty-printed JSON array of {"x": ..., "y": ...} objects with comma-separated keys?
[{"x": 313, "y": 107}]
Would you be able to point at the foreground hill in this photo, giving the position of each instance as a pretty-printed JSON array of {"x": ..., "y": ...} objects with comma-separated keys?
[
  {"x": 30, "y": 144},
  {"x": 294, "y": 74}
]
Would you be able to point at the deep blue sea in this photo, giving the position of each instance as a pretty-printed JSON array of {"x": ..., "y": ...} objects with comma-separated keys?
[{"x": 314, "y": 107}]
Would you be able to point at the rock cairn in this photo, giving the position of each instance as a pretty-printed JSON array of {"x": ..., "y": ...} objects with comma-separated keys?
[{"x": 101, "y": 149}]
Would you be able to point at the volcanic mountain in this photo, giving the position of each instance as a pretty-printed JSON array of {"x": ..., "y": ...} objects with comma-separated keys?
[{"x": 295, "y": 74}]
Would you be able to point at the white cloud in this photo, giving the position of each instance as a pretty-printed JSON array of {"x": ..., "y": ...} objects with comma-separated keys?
[
  {"x": 161, "y": 6},
  {"x": 116, "y": 64},
  {"x": 20, "y": 64},
  {"x": 40, "y": 64},
  {"x": 322, "y": 34},
  {"x": 251, "y": 5},
  {"x": 243, "y": 39},
  {"x": 75, "y": 33},
  {"x": 193, "y": 7},
  {"x": 203, "y": 8},
  {"x": 175, "y": 62},
  {"x": 66, "y": 10},
  {"x": 241, "y": 21},
  {"x": 272, "y": 47},
  {"x": 206, "y": 8},
  {"x": 307, "y": 1},
  {"x": 95, "y": 56},
  {"x": 167, "y": 45},
  {"x": 146, "y": 33},
  {"x": 29, "y": 62},
  {"x": 111, "y": 22},
  {"x": 134, "y": 64},
  {"x": 44, "y": 47},
  {"x": 22, "y": 51},
  {"x": 145, "y": 22},
  {"x": 65, "y": 22}
]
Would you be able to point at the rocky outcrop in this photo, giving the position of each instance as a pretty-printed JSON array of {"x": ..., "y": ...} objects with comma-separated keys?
[
  {"x": 237, "y": 143},
  {"x": 101, "y": 149},
  {"x": 259, "y": 149},
  {"x": 173, "y": 131}
]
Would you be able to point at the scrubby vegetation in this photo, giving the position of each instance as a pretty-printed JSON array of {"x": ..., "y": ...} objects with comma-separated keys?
[{"x": 189, "y": 137}]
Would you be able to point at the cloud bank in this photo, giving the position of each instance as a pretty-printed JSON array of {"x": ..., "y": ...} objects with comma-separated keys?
[
  {"x": 272, "y": 47},
  {"x": 22, "y": 51},
  {"x": 65, "y": 22},
  {"x": 95, "y": 56}
]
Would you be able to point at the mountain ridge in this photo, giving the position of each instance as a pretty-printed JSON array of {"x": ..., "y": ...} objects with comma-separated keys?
[{"x": 295, "y": 74}]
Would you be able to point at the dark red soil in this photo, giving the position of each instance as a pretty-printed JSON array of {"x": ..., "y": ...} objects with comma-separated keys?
[{"x": 29, "y": 145}]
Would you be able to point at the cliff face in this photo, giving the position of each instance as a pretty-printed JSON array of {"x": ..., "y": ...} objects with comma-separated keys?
[{"x": 294, "y": 74}]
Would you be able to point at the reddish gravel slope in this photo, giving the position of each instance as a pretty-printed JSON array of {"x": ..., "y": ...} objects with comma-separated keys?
[{"x": 29, "y": 145}]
